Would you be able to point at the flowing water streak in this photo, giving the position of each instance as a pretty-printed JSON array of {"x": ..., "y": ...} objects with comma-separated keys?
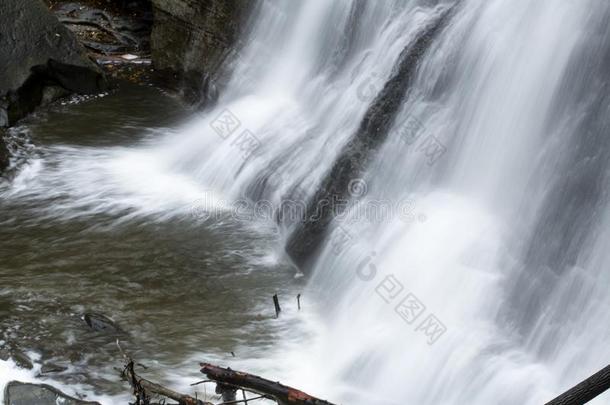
[
  {"x": 494, "y": 92},
  {"x": 502, "y": 90},
  {"x": 515, "y": 91}
]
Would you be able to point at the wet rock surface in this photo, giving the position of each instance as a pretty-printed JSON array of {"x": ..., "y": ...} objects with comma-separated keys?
[
  {"x": 108, "y": 27},
  {"x": 4, "y": 155},
  {"x": 45, "y": 61},
  {"x": 18, "y": 393},
  {"x": 357, "y": 155},
  {"x": 101, "y": 323},
  {"x": 41, "y": 51},
  {"x": 50, "y": 368},
  {"x": 191, "y": 39},
  {"x": 115, "y": 33}
]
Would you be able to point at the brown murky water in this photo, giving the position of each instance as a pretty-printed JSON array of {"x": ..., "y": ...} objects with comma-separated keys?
[{"x": 180, "y": 288}]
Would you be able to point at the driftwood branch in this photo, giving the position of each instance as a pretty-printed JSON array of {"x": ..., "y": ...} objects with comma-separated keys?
[
  {"x": 282, "y": 394},
  {"x": 228, "y": 382},
  {"x": 586, "y": 390},
  {"x": 142, "y": 388}
]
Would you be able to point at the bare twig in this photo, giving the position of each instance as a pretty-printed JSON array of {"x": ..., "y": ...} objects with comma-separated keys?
[{"x": 142, "y": 387}]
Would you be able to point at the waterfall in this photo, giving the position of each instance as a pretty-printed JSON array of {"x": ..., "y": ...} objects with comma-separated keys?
[
  {"x": 485, "y": 284},
  {"x": 467, "y": 266}
]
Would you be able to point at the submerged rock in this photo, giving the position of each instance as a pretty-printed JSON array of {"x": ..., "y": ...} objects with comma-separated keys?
[
  {"x": 18, "y": 393},
  {"x": 21, "y": 359},
  {"x": 191, "y": 39},
  {"x": 49, "y": 368},
  {"x": 101, "y": 323}
]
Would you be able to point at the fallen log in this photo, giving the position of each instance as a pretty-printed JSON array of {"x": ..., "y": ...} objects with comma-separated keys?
[
  {"x": 282, "y": 394},
  {"x": 143, "y": 388},
  {"x": 586, "y": 391}
]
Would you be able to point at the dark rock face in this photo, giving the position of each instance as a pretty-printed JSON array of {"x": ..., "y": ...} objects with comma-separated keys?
[
  {"x": 48, "y": 82},
  {"x": 107, "y": 28},
  {"x": 37, "y": 52},
  {"x": 356, "y": 156},
  {"x": 17, "y": 393},
  {"x": 4, "y": 155},
  {"x": 191, "y": 39}
]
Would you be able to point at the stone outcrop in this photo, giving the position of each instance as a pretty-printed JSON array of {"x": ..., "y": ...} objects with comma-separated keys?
[
  {"x": 357, "y": 155},
  {"x": 107, "y": 28},
  {"x": 41, "y": 61},
  {"x": 190, "y": 41},
  {"x": 38, "y": 52},
  {"x": 116, "y": 34},
  {"x": 18, "y": 393}
]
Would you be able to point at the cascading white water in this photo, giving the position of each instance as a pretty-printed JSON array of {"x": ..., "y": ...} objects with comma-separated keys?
[
  {"x": 493, "y": 90},
  {"x": 515, "y": 93}
]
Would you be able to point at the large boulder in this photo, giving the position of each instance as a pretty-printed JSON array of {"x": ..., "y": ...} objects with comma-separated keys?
[
  {"x": 41, "y": 61},
  {"x": 18, "y": 393},
  {"x": 39, "y": 52},
  {"x": 191, "y": 39}
]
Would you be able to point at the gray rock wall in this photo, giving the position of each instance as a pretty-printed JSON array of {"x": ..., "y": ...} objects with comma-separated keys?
[
  {"x": 37, "y": 52},
  {"x": 192, "y": 38}
]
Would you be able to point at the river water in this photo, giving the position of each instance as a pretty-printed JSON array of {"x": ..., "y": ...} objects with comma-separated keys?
[
  {"x": 476, "y": 275},
  {"x": 178, "y": 285}
]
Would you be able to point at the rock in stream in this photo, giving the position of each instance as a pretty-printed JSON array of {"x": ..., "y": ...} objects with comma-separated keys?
[{"x": 18, "y": 393}]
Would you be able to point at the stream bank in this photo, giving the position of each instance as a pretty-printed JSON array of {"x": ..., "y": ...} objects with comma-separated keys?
[{"x": 61, "y": 47}]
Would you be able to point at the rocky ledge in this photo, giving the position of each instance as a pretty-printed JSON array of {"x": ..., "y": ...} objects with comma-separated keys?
[
  {"x": 190, "y": 41},
  {"x": 43, "y": 61}
]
